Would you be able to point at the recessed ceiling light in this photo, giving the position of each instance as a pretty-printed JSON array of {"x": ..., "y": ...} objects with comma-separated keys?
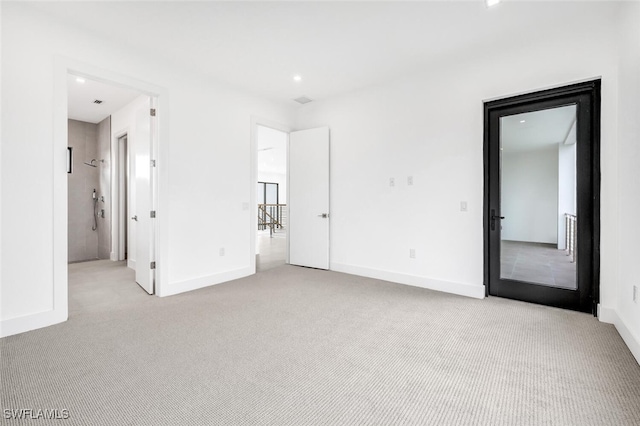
[
  {"x": 523, "y": 121},
  {"x": 491, "y": 3},
  {"x": 297, "y": 78},
  {"x": 80, "y": 80}
]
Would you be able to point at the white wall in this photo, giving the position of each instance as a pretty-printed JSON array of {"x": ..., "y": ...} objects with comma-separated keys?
[
  {"x": 624, "y": 312},
  {"x": 272, "y": 162},
  {"x": 567, "y": 183},
  {"x": 206, "y": 140},
  {"x": 429, "y": 125},
  {"x": 1, "y": 172},
  {"x": 529, "y": 199}
]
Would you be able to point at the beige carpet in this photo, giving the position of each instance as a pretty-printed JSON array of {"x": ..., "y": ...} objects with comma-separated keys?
[{"x": 295, "y": 346}]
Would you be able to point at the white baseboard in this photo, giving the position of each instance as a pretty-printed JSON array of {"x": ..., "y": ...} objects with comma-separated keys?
[
  {"x": 610, "y": 316},
  {"x": 607, "y": 315},
  {"x": 206, "y": 281},
  {"x": 12, "y": 326},
  {"x": 131, "y": 264},
  {"x": 475, "y": 291}
]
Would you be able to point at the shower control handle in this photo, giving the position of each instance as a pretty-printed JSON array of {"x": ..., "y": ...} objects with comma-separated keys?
[{"x": 135, "y": 218}]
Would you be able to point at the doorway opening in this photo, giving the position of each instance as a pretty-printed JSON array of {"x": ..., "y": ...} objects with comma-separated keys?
[
  {"x": 110, "y": 139},
  {"x": 542, "y": 197},
  {"x": 123, "y": 174},
  {"x": 271, "y": 196}
]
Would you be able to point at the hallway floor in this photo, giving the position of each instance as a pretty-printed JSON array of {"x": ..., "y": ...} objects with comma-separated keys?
[
  {"x": 538, "y": 263},
  {"x": 272, "y": 249}
]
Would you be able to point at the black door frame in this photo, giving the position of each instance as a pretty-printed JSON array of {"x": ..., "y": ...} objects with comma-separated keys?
[{"x": 586, "y": 96}]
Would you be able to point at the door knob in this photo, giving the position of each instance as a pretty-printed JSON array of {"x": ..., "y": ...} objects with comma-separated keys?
[
  {"x": 494, "y": 217},
  {"x": 324, "y": 215},
  {"x": 135, "y": 218}
]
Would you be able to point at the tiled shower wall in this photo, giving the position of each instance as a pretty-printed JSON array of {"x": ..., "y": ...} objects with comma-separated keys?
[
  {"x": 104, "y": 184},
  {"x": 89, "y": 141}
]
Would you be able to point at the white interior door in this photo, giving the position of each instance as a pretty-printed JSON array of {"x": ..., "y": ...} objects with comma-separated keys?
[
  {"x": 143, "y": 202},
  {"x": 309, "y": 198}
]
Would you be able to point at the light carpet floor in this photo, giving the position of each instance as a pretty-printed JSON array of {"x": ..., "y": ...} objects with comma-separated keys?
[{"x": 296, "y": 346}]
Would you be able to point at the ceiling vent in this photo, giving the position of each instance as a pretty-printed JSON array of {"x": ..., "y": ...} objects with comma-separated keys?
[
  {"x": 97, "y": 101},
  {"x": 303, "y": 100}
]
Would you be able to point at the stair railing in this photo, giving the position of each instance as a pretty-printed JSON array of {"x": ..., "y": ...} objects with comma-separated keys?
[
  {"x": 271, "y": 216},
  {"x": 570, "y": 221}
]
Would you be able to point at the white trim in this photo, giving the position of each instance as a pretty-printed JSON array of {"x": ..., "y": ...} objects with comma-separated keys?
[
  {"x": 607, "y": 315},
  {"x": 253, "y": 200},
  {"x": 610, "y": 316},
  {"x": 469, "y": 290},
  {"x": 12, "y": 326},
  {"x": 60, "y": 308},
  {"x": 206, "y": 281},
  {"x": 155, "y": 173},
  {"x": 161, "y": 188}
]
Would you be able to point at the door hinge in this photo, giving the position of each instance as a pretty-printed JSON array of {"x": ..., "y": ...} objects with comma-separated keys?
[
  {"x": 153, "y": 112},
  {"x": 152, "y": 214},
  {"x": 153, "y": 163},
  {"x": 152, "y": 265}
]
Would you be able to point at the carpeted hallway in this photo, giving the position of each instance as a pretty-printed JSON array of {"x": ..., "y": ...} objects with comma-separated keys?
[{"x": 296, "y": 346}]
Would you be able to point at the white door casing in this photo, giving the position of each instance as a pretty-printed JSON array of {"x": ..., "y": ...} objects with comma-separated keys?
[{"x": 309, "y": 198}]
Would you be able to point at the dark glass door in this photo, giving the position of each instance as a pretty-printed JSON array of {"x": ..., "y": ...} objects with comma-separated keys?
[{"x": 542, "y": 197}]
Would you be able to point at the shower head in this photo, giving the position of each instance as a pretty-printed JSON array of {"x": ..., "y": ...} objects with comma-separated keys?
[{"x": 92, "y": 163}]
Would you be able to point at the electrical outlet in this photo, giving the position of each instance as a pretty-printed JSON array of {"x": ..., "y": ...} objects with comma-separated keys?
[
  {"x": 222, "y": 251},
  {"x": 245, "y": 206},
  {"x": 412, "y": 253},
  {"x": 410, "y": 180},
  {"x": 463, "y": 206},
  {"x": 635, "y": 294},
  {"x": 392, "y": 182}
]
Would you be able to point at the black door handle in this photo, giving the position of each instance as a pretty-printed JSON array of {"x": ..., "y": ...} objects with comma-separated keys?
[{"x": 493, "y": 219}]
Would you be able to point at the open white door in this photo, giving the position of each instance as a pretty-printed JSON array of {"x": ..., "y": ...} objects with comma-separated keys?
[
  {"x": 143, "y": 201},
  {"x": 309, "y": 198}
]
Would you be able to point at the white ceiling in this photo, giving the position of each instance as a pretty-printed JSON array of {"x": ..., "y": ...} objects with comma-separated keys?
[
  {"x": 336, "y": 47},
  {"x": 536, "y": 130},
  {"x": 81, "y": 97}
]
